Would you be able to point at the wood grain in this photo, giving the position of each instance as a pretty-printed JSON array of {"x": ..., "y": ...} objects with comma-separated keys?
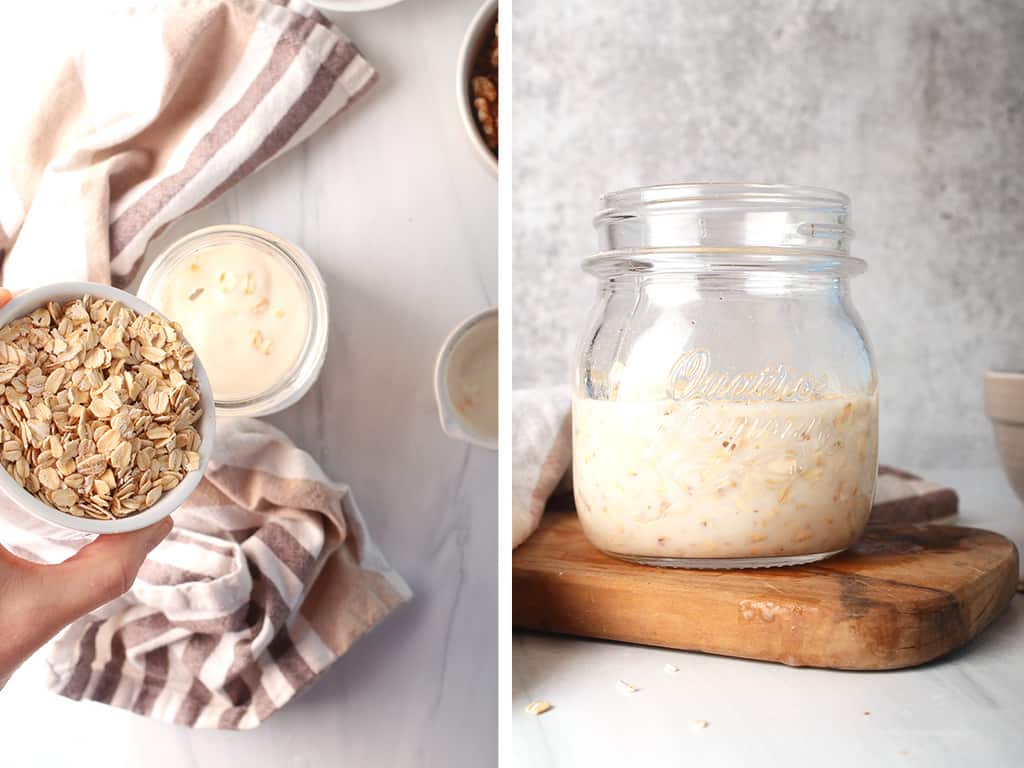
[{"x": 904, "y": 595}]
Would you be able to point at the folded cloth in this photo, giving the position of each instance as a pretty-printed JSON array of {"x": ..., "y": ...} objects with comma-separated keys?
[
  {"x": 156, "y": 110},
  {"x": 268, "y": 576},
  {"x": 541, "y": 454},
  {"x": 542, "y": 459}
]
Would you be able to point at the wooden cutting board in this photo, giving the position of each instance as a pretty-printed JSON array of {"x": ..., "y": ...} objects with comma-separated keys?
[{"x": 902, "y": 596}]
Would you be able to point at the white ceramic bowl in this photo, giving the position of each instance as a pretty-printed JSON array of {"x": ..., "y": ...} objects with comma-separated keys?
[
  {"x": 479, "y": 28},
  {"x": 451, "y": 422},
  {"x": 24, "y": 304},
  {"x": 352, "y": 6},
  {"x": 1004, "y": 404}
]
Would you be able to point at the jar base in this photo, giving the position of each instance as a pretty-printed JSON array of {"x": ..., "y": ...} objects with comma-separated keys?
[{"x": 726, "y": 563}]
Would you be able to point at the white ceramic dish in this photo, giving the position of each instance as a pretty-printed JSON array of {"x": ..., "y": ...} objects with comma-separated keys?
[
  {"x": 1004, "y": 405},
  {"x": 172, "y": 499},
  {"x": 478, "y": 30},
  {"x": 353, "y": 6},
  {"x": 451, "y": 422}
]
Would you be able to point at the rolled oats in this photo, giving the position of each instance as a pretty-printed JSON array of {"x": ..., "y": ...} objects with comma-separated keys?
[
  {"x": 536, "y": 708},
  {"x": 97, "y": 407}
]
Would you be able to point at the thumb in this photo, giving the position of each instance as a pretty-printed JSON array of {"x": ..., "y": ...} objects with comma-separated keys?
[{"x": 99, "y": 572}]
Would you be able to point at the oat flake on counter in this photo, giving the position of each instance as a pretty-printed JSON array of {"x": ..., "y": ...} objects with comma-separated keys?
[{"x": 537, "y": 708}]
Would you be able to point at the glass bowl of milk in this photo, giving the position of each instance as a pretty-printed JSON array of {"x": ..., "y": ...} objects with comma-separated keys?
[{"x": 254, "y": 307}]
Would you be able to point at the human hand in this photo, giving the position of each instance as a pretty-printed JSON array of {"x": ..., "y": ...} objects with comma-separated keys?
[{"x": 37, "y": 601}]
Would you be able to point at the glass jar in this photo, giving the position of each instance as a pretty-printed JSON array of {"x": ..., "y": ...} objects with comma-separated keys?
[
  {"x": 305, "y": 311},
  {"x": 725, "y": 409}
]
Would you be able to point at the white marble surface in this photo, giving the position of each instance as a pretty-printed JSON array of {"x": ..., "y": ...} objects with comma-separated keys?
[
  {"x": 401, "y": 217},
  {"x": 962, "y": 710}
]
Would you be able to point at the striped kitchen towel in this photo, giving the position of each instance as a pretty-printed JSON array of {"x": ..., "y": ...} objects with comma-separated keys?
[
  {"x": 154, "y": 110},
  {"x": 268, "y": 576}
]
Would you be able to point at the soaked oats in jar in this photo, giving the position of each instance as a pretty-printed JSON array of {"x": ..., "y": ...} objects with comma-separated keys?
[{"x": 706, "y": 479}]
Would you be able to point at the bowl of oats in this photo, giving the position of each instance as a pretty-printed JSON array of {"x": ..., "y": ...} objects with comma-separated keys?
[
  {"x": 106, "y": 413},
  {"x": 476, "y": 84}
]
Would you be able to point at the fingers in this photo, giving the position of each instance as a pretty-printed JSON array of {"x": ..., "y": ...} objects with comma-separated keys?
[
  {"x": 5, "y": 296},
  {"x": 98, "y": 573}
]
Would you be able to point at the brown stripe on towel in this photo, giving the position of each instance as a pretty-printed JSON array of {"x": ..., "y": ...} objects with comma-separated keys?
[
  {"x": 242, "y": 680},
  {"x": 236, "y": 688},
  {"x": 288, "y": 659},
  {"x": 153, "y": 682},
  {"x": 133, "y": 220},
  {"x": 152, "y": 626},
  {"x": 232, "y": 716},
  {"x": 204, "y": 51},
  {"x": 244, "y": 688},
  {"x": 287, "y": 549},
  {"x": 110, "y": 677},
  {"x": 262, "y": 704},
  {"x": 267, "y": 603},
  {"x": 197, "y": 651},
  {"x": 142, "y": 630},
  {"x": 83, "y": 665},
  {"x": 923, "y": 508},
  {"x": 193, "y": 703},
  {"x": 318, "y": 89},
  {"x": 236, "y": 621},
  {"x": 919, "y": 501}
]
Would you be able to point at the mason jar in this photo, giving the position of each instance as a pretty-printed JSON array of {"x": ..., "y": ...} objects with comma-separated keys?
[{"x": 725, "y": 403}]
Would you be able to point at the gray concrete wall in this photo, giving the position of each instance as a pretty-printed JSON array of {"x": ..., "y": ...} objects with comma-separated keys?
[{"x": 913, "y": 108}]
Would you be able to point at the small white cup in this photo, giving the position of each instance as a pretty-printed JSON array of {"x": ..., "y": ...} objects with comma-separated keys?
[
  {"x": 451, "y": 422},
  {"x": 24, "y": 304}
]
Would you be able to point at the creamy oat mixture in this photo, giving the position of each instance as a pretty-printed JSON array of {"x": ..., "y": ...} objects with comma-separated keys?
[
  {"x": 707, "y": 479},
  {"x": 245, "y": 311},
  {"x": 97, "y": 407}
]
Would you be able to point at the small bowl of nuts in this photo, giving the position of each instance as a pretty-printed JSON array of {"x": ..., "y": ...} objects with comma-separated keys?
[
  {"x": 476, "y": 83},
  {"x": 106, "y": 414}
]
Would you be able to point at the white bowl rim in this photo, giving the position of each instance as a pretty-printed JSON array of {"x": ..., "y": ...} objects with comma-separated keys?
[
  {"x": 469, "y": 45},
  {"x": 1004, "y": 375},
  {"x": 25, "y": 303},
  {"x": 352, "y": 6},
  {"x": 450, "y": 423}
]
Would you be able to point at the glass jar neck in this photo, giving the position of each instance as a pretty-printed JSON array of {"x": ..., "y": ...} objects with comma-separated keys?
[
  {"x": 704, "y": 227},
  {"x": 723, "y": 284}
]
